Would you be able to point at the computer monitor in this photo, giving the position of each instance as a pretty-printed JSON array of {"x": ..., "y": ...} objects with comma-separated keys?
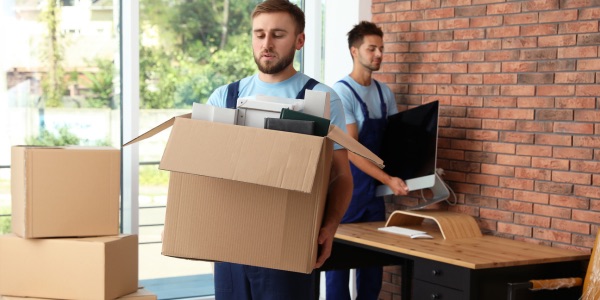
[{"x": 409, "y": 149}]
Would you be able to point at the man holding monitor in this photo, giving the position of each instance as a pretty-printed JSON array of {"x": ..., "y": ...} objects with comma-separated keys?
[{"x": 367, "y": 104}]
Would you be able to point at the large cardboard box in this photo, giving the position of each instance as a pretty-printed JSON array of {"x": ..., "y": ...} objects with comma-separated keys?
[
  {"x": 246, "y": 195},
  {"x": 65, "y": 191},
  {"x": 140, "y": 294},
  {"x": 94, "y": 268}
]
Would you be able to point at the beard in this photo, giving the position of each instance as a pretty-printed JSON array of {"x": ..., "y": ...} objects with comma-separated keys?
[{"x": 274, "y": 67}]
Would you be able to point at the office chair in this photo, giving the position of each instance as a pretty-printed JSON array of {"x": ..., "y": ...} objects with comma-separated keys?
[{"x": 591, "y": 283}]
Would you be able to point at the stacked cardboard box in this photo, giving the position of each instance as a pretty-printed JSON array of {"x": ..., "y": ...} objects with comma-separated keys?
[{"x": 65, "y": 241}]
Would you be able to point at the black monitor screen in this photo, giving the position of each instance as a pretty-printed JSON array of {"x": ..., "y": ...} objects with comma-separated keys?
[{"x": 410, "y": 142}]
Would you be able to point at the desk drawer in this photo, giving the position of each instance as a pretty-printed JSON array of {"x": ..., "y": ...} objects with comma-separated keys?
[
  {"x": 424, "y": 290},
  {"x": 443, "y": 274}
]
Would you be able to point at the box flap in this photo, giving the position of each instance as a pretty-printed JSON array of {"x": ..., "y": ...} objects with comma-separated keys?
[
  {"x": 246, "y": 154},
  {"x": 156, "y": 129},
  {"x": 351, "y": 144}
]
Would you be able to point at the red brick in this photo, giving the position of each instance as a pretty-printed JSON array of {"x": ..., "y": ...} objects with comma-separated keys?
[
  {"x": 537, "y": 5},
  {"x": 540, "y": 29},
  {"x": 588, "y": 64},
  {"x": 514, "y": 229},
  {"x": 482, "y": 113},
  {"x": 450, "y": 153},
  {"x": 486, "y": 90},
  {"x": 586, "y": 216},
  {"x": 536, "y": 150},
  {"x": 469, "y": 34},
  {"x": 418, "y": 5},
  {"x": 421, "y": 89},
  {"x": 577, "y": 128},
  {"x": 554, "y": 115},
  {"x": 588, "y": 39},
  {"x": 587, "y": 191},
  {"x": 495, "y": 214},
  {"x": 516, "y": 114},
  {"x": 535, "y": 78},
  {"x": 538, "y": 54},
  {"x": 524, "y": 18},
  {"x": 589, "y": 13},
  {"x": 550, "y": 163},
  {"x": 466, "y": 145},
  {"x": 578, "y": 27},
  {"x": 575, "y": 3},
  {"x": 516, "y": 137},
  {"x": 534, "y": 126},
  {"x": 535, "y": 102},
  {"x": 502, "y": 55},
  {"x": 494, "y": 169},
  {"x": 556, "y": 90},
  {"x": 502, "y": 32},
  {"x": 569, "y": 201},
  {"x": 587, "y": 115},
  {"x": 500, "y": 101},
  {"x": 409, "y": 15},
  {"x": 436, "y": 57},
  {"x": 551, "y": 211},
  {"x": 484, "y": 67},
  {"x": 409, "y": 78},
  {"x": 497, "y": 192},
  {"x": 586, "y": 141},
  {"x": 514, "y": 160},
  {"x": 553, "y": 139},
  {"x": 517, "y": 90},
  {"x": 487, "y": 21},
  {"x": 508, "y": 67},
  {"x": 530, "y": 173},
  {"x": 588, "y": 90},
  {"x": 466, "y": 188},
  {"x": 490, "y": 180},
  {"x": 537, "y": 221},
  {"x": 571, "y": 177},
  {"x": 519, "y": 42},
  {"x": 467, "y": 56},
  {"x": 499, "y": 78},
  {"x": 571, "y": 226},
  {"x": 557, "y": 41},
  {"x": 575, "y": 77},
  {"x": 470, "y": 11},
  {"x": 437, "y": 78},
  {"x": 504, "y": 8},
  {"x": 499, "y": 147},
  {"x": 562, "y": 15},
  {"x": 438, "y": 35},
  {"x": 578, "y": 52},
  {"x": 392, "y": 48},
  {"x": 424, "y": 25},
  {"x": 423, "y": 47},
  {"x": 446, "y": 3},
  {"x": 532, "y": 197},
  {"x": 440, "y": 13},
  {"x": 452, "y": 89},
  {"x": 482, "y": 135},
  {"x": 452, "y": 133},
  {"x": 452, "y": 68},
  {"x": 572, "y": 153},
  {"x": 557, "y": 65},
  {"x": 383, "y": 18},
  {"x": 514, "y": 183},
  {"x": 554, "y": 187},
  {"x": 397, "y": 6},
  {"x": 499, "y": 124},
  {"x": 453, "y": 111},
  {"x": 578, "y": 102},
  {"x": 453, "y": 46},
  {"x": 394, "y": 68},
  {"x": 585, "y": 166},
  {"x": 485, "y": 45},
  {"x": 552, "y": 235}
]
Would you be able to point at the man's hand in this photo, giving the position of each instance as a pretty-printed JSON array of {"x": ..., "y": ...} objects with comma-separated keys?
[
  {"x": 397, "y": 185},
  {"x": 325, "y": 241}
]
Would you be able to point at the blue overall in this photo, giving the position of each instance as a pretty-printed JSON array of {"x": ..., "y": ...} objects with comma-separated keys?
[
  {"x": 243, "y": 282},
  {"x": 364, "y": 207}
]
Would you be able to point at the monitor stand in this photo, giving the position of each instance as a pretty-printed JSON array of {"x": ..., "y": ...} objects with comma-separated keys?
[{"x": 439, "y": 190}]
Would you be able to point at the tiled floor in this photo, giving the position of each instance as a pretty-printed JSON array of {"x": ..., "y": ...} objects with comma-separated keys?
[{"x": 182, "y": 287}]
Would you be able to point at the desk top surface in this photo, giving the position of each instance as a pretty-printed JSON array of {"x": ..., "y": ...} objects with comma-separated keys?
[{"x": 473, "y": 253}]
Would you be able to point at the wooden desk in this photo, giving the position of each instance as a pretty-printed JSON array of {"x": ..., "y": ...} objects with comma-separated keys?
[{"x": 467, "y": 268}]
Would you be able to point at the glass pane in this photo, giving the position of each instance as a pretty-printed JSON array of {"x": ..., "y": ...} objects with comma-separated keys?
[{"x": 58, "y": 76}]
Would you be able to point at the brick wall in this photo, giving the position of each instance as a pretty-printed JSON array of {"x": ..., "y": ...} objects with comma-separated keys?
[{"x": 518, "y": 82}]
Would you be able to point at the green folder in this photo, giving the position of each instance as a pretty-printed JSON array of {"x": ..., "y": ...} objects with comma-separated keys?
[{"x": 321, "y": 124}]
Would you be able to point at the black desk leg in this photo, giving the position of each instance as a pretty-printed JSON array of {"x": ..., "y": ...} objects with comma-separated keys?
[{"x": 406, "y": 288}]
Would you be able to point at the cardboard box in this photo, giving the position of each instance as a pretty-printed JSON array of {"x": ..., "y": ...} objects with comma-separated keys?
[
  {"x": 65, "y": 191},
  {"x": 246, "y": 195},
  {"x": 141, "y": 294},
  {"x": 95, "y": 268}
]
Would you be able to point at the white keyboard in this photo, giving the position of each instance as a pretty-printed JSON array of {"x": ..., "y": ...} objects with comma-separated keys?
[{"x": 405, "y": 231}]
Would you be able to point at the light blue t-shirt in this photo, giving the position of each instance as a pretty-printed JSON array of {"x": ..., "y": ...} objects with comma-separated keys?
[
  {"x": 289, "y": 88},
  {"x": 368, "y": 94}
]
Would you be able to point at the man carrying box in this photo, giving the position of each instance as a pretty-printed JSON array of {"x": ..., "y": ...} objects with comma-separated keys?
[{"x": 277, "y": 32}]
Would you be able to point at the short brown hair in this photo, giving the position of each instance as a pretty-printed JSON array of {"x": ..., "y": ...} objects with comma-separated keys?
[
  {"x": 273, "y": 6},
  {"x": 359, "y": 31}
]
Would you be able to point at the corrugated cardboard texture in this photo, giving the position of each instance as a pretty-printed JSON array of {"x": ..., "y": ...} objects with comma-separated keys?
[
  {"x": 63, "y": 192},
  {"x": 98, "y": 268},
  {"x": 225, "y": 220},
  {"x": 141, "y": 294},
  {"x": 245, "y": 154}
]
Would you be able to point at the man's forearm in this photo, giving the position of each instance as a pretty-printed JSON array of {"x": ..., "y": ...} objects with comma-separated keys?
[{"x": 340, "y": 189}]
